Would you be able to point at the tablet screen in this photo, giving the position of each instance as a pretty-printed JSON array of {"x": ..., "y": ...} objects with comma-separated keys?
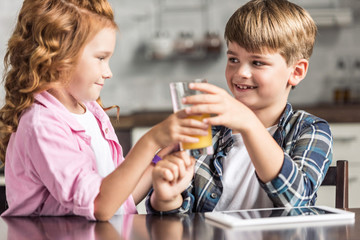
[{"x": 279, "y": 215}]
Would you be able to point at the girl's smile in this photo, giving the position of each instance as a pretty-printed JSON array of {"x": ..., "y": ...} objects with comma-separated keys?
[{"x": 93, "y": 68}]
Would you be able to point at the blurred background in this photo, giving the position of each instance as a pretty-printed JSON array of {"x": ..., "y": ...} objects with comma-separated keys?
[
  {"x": 166, "y": 40},
  {"x": 161, "y": 41}
]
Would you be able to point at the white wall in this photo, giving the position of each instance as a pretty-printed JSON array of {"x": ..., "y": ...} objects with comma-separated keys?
[{"x": 139, "y": 84}]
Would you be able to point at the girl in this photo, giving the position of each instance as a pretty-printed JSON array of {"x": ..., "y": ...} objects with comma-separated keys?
[{"x": 60, "y": 151}]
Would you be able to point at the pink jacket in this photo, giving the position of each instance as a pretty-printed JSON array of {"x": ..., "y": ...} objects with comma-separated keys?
[{"x": 50, "y": 168}]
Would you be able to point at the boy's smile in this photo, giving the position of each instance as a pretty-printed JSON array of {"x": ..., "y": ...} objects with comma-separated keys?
[
  {"x": 242, "y": 87},
  {"x": 258, "y": 80}
]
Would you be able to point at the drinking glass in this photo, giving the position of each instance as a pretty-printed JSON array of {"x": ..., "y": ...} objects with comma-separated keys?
[{"x": 178, "y": 91}]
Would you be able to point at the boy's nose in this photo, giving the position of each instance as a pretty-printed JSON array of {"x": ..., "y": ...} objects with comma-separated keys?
[{"x": 244, "y": 71}]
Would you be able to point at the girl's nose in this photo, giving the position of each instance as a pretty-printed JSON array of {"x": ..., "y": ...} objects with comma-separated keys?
[{"x": 107, "y": 73}]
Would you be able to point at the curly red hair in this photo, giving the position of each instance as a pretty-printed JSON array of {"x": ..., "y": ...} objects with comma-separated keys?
[{"x": 43, "y": 50}]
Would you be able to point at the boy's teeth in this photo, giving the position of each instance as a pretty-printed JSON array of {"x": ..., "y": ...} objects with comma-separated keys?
[{"x": 245, "y": 87}]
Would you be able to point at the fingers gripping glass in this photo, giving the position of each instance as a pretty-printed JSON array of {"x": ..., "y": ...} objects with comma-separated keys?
[{"x": 179, "y": 90}]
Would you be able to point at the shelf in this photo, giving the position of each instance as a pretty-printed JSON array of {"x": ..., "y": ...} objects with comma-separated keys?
[
  {"x": 334, "y": 113},
  {"x": 330, "y": 112},
  {"x": 330, "y": 17}
]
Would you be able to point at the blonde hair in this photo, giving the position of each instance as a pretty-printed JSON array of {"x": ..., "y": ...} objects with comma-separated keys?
[
  {"x": 43, "y": 50},
  {"x": 274, "y": 26}
]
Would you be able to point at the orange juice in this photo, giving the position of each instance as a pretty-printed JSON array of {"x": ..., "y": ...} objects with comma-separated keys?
[{"x": 204, "y": 141}]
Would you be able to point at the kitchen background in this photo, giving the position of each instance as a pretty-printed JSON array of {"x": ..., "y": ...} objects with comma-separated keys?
[
  {"x": 161, "y": 41},
  {"x": 166, "y": 40}
]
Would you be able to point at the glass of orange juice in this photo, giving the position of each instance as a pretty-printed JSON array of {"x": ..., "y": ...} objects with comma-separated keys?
[{"x": 178, "y": 91}]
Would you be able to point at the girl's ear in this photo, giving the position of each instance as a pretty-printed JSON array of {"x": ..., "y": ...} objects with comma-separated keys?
[{"x": 299, "y": 72}]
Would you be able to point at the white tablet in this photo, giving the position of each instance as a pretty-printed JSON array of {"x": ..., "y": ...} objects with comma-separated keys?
[{"x": 271, "y": 216}]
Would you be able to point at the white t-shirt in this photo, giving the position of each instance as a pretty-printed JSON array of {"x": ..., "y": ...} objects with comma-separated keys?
[
  {"x": 241, "y": 189},
  {"x": 99, "y": 145}
]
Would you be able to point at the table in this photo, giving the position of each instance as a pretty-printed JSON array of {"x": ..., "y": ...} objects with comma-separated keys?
[{"x": 139, "y": 227}]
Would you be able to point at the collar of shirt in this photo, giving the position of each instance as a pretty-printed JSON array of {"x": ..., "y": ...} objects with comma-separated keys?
[
  {"x": 60, "y": 111},
  {"x": 225, "y": 141}
]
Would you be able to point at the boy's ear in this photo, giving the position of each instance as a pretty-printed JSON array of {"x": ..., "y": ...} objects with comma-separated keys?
[{"x": 299, "y": 72}]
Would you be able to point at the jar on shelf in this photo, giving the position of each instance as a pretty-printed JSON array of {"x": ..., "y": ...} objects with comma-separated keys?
[
  {"x": 212, "y": 43},
  {"x": 355, "y": 81},
  {"x": 161, "y": 46},
  {"x": 341, "y": 89}
]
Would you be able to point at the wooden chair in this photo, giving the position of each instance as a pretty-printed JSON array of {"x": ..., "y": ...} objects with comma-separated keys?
[
  {"x": 338, "y": 176},
  {"x": 3, "y": 204}
]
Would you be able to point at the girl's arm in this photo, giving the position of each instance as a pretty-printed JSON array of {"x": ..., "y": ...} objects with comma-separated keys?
[
  {"x": 118, "y": 185},
  {"x": 142, "y": 189},
  {"x": 144, "y": 185}
]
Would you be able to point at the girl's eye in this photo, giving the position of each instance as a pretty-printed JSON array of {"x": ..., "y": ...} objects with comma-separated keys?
[{"x": 101, "y": 58}]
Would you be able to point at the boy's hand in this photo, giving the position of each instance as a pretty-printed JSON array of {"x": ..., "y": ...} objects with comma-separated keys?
[
  {"x": 228, "y": 111},
  {"x": 171, "y": 176}
]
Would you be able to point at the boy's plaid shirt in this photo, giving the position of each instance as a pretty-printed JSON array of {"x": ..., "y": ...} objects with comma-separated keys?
[{"x": 307, "y": 144}]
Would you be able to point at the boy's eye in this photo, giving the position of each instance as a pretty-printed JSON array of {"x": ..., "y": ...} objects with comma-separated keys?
[
  {"x": 101, "y": 58},
  {"x": 233, "y": 60},
  {"x": 258, "y": 63}
]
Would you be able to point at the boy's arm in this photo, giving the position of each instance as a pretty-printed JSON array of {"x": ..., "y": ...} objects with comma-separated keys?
[
  {"x": 142, "y": 188},
  {"x": 186, "y": 206},
  {"x": 265, "y": 153},
  {"x": 305, "y": 165},
  {"x": 293, "y": 171},
  {"x": 171, "y": 176}
]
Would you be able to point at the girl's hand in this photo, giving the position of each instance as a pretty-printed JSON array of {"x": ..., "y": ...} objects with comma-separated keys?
[
  {"x": 171, "y": 176},
  {"x": 177, "y": 128},
  {"x": 226, "y": 110}
]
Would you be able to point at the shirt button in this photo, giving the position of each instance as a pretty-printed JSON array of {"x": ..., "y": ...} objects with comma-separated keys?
[
  {"x": 106, "y": 130},
  {"x": 213, "y": 195}
]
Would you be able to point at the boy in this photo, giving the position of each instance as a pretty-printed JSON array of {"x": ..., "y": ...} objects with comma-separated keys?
[{"x": 266, "y": 154}]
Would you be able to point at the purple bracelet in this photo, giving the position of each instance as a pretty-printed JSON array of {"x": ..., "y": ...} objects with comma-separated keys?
[{"x": 156, "y": 159}]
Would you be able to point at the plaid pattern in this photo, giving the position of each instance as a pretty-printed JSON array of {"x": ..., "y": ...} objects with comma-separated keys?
[{"x": 307, "y": 144}]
